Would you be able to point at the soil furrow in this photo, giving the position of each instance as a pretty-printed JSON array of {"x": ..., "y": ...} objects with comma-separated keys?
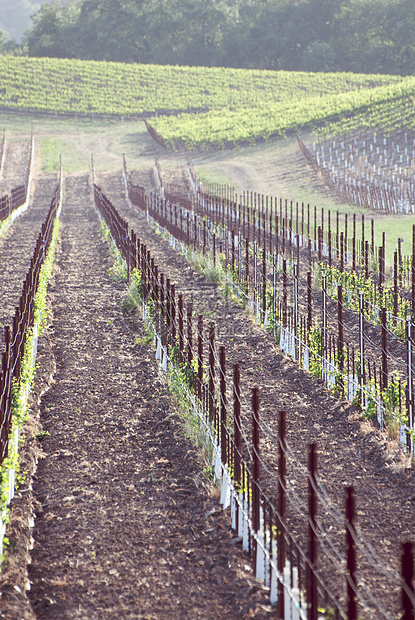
[
  {"x": 351, "y": 452},
  {"x": 15, "y": 166},
  {"x": 18, "y": 244},
  {"x": 125, "y": 527}
]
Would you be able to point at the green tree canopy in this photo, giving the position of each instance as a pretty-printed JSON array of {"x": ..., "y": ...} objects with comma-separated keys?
[{"x": 313, "y": 35}]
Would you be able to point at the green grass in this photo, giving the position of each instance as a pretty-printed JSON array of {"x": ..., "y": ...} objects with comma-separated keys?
[
  {"x": 107, "y": 139},
  {"x": 214, "y": 174},
  {"x": 49, "y": 154}
]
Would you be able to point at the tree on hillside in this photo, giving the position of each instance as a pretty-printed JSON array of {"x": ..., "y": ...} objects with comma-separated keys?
[
  {"x": 311, "y": 35},
  {"x": 55, "y": 30}
]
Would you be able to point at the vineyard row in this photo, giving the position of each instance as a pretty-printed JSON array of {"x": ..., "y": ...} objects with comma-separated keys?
[
  {"x": 348, "y": 358},
  {"x": 18, "y": 359},
  {"x": 389, "y": 192},
  {"x": 15, "y": 203},
  {"x": 289, "y": 569}
]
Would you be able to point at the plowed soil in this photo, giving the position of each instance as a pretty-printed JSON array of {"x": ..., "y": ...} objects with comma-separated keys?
[{"x": 16, "y": 160}]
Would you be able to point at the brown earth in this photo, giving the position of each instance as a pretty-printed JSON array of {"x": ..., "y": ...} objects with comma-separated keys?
[
  {"x": 16, "y": 159},
  {"x": 18, "y": 244}
]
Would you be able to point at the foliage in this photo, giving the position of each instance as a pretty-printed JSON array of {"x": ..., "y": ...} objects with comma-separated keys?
[
  {"x": 196, "y": 106},
  {"x": 132, "y": 299},
  {"x": 119, "y": 268},
  {"x": 354, "y": 283},
  {"x": 375, "y": 36},
  {"x": 27, "y": 375},
  {"x": 314, "y": 344}
]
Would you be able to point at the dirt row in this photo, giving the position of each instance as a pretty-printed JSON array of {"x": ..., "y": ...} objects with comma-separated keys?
[
  {"x": 126, "y": 523},
  {"x": 351, "y": 452},
  {"x": 17, "y": 247},
  {"x": 16, "y": 160}
]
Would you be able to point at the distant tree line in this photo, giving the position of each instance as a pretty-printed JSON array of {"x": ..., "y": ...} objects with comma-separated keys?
[{"x": 370, "y": 36}]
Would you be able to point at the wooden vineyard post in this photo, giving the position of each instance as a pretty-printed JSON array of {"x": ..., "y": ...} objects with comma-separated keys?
[
  {"x": 199, "y": 355},
  {"x": 340, "y": 343},
  {"x": 409, "y": 389},
  {"x": 247, "y": 266},
  {"x": 264, "y": 285},
  {"x": 168, "y": 311},
  {"x": 354, "y": 244},
  {"x": 255, "y": 276},
  {"x": 296, "y": 335},
  {"x": 189, "y": 339},
  {"x": 274, "y": 293},
  {"x": 400, "y": 259},
  {"x": 162, "y": 310},
  {"x": 395, "y": 286},
  {"x": 319, "y": 242},
  {"x": 211, "y": 372},
  {"x": 408, "y": 596},
  {"x": 337, "y": 235},
  {"x": 384, "y": 380},
  {"x": 284, "y": 293},
  {"x": 237, "y": 435},
  {"x": 255, "y": 467},
  {"x": 381, "y": 274},
  {"x": 232, "y": 253},
  {"x": 214, "y": 250},
  {"x": 329, "y": 245},
  {"x": 351, "y": 554},
  {"x": 324, "y": 334},
  {"x": 223, "y": 412},
  {"x": 181, "y": 327},
  {"x": 413, "y": 271},
  {"x": 283, "y": 238},
  {"x": 362, "y": 350},
  {"x": 128, "y": 252},
  {"x": 277, "y": 235},
  {"x": 345, "y": 245},
  {"x": 239, "y": 261},
  {"x": 309, "y": 305},
  {"x": 312, "y": 535},
  {"x": 282, "y": 507},
  {"x": 173, "y": 314},
  {"x": 363, "y": 235}
]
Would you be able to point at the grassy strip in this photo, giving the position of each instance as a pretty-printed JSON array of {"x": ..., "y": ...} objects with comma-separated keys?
[
  {"x": 11, "y": 466},
  {"x": 5, "y": 225},
  {"x": 118, "y": 270},
  {"x": 49, "y": 153}
]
